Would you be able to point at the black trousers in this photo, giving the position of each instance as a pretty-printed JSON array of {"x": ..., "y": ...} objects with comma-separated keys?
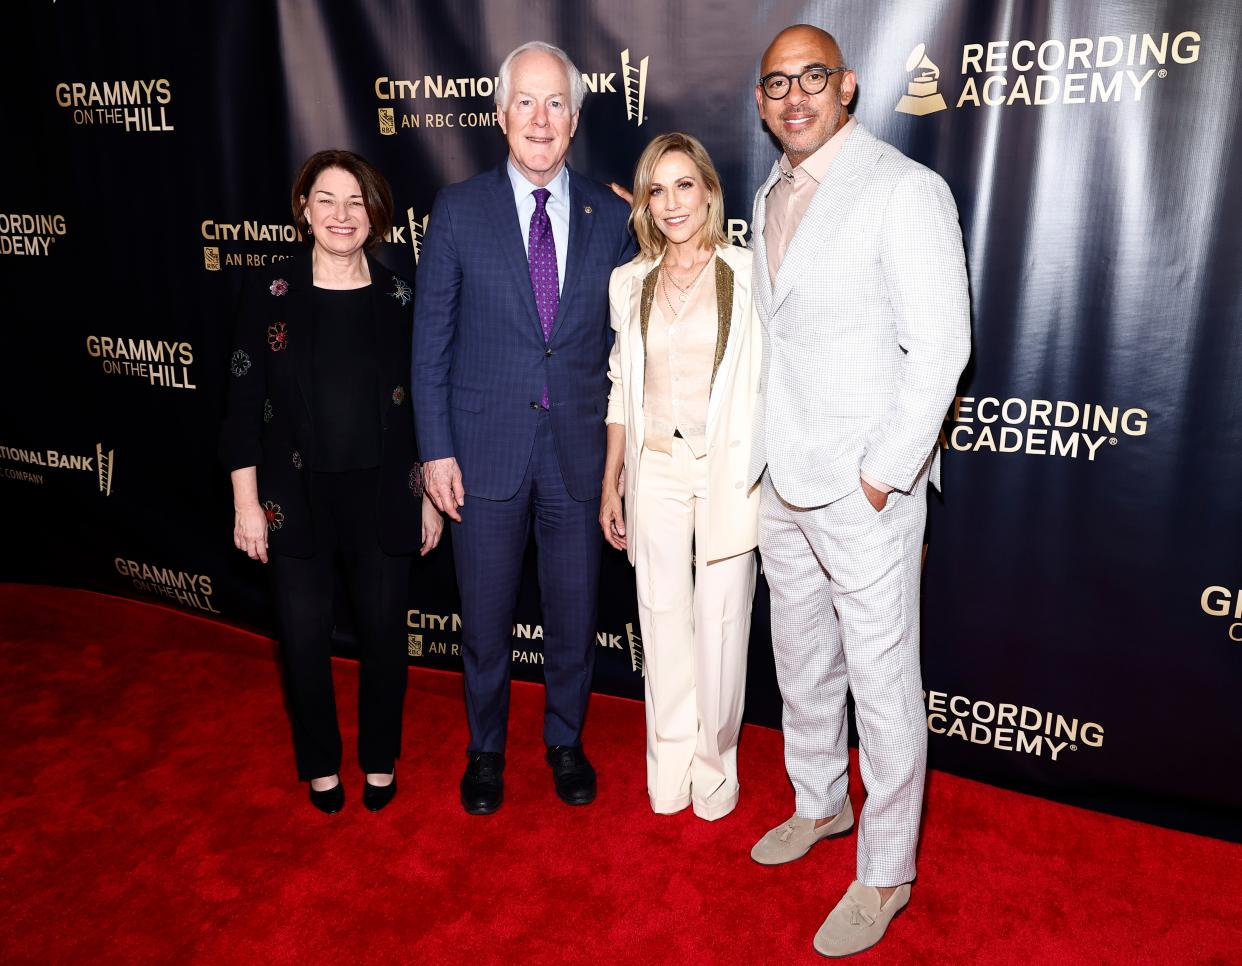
[{"x": 343, "y": 511}]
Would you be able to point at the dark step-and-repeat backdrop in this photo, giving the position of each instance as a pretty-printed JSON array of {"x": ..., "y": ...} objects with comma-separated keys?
[{"x": 1082, "y": 612}]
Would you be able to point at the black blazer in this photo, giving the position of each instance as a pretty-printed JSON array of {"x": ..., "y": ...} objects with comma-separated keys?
[{"x": 268, "y": 421}]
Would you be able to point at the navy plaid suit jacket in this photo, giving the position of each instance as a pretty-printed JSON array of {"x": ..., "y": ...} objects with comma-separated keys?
[{"x": 479, "y": 358}]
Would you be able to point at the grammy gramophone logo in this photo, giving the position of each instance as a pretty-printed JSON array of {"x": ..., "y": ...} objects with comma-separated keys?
[
  {"x": 634, "y": 83},
  {"x": 922, "y": 94}
]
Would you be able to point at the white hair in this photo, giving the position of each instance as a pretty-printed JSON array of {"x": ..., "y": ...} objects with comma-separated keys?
[{"x": 577, "y": 89}]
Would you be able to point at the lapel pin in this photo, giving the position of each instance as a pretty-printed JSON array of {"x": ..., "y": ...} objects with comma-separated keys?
[{"x": 587, "y": 209}]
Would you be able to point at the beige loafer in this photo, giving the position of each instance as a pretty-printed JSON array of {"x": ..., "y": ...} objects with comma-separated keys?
[
  {"x": 859, "y": 921},
  {"x": 793, "y": 839}
]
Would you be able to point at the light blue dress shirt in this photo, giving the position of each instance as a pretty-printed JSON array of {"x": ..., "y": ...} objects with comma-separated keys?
[{"x": 557, "y": 209}]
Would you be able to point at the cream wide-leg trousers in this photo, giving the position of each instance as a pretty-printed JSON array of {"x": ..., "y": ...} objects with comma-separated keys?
[{"x": 695, "y": 619}]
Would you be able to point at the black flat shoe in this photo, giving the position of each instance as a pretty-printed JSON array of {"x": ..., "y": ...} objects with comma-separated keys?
[
  {"x": 572, "y": 774},
  {"x": 330, "y": 801},
  {"x": 482, "y": 786},
  {"x": 375, "y": 797}
]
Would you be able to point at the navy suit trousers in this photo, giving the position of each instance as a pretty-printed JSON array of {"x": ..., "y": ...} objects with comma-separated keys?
[{"x": 488, "y": 548}]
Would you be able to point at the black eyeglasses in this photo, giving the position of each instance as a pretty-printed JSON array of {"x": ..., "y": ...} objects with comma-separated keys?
[{"x": 812, "y": 80}]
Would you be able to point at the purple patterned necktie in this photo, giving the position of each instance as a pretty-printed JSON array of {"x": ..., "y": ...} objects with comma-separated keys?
[{"x": 544, "y": 278}]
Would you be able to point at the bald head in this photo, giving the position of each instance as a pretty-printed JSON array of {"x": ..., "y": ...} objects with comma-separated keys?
[
  {"x": 804, "y": 122},
  {"x": 803, "y": 36}
]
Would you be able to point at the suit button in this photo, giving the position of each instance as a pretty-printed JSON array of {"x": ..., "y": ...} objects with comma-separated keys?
[
  {"x": 534, "y": 405},
  {"x": 547, "y": 353},
  {"x": 738, "y": 485},
  {"x": 736, "y": 442}
]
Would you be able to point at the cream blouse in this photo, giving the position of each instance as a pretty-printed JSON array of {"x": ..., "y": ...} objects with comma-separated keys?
[{"x": 681, "y": 352}]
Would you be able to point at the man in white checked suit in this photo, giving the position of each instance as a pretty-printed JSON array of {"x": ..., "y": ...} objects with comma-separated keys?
[{"x": 861, "y": 285}]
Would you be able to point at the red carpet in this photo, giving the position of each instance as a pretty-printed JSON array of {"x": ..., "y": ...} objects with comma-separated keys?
[{"x": 150, "y": 814}]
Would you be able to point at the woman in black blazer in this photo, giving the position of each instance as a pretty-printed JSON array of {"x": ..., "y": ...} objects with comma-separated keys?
[{"x": 319, "y": 440}]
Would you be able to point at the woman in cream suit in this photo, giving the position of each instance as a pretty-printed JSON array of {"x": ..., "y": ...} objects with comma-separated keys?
[{"x": 685, "y": 373}]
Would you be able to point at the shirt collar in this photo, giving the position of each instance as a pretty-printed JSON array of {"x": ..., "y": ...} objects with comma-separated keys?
[
  {"x": 816, "y": 166},
  {"x": 558, "y": 187}
]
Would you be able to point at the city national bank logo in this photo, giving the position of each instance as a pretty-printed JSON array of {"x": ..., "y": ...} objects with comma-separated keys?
[
  {"x": 923, "y": 92},
  {"x": 165, "y": 364},
  {"x": 139, "y": 106},
  {"x": 424, "y": 628},
  {"x": 630, "y": 82},
  {"x": 736, "y": 230},
  {"x": 418, "y": 231},
  {"x": 1037, "y": 427},
  {"x": 1009, "y": 727},
  {"x": 1218, "y": 601},
  {"x": 1081, "y": 70},
  {"x": 30, "y": 234},
  {"x": 251, "y": 230},
  {"x": 427, "y": 634},
  {"x": 187, "y": 589},
  {"x": 635, "y": 641},
  {"x": 100, "y": 465},
  {"x": 634, "y": 81},
  {"x": 237, "y": 233}
]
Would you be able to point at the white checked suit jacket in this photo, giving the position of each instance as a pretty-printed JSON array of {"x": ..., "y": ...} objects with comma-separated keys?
[{"x": 867, "y": 328}]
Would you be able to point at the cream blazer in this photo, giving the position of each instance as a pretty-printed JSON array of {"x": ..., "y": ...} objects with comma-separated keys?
[{"x": 733, "y": 506}]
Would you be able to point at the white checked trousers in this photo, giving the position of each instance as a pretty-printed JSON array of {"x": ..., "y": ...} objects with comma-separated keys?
[
  {"x": 695, "y": 619},
  {"x": 844, "y": 584}
]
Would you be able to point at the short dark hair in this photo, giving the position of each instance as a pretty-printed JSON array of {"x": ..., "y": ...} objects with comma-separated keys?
[{"x": 376, "y": 195}]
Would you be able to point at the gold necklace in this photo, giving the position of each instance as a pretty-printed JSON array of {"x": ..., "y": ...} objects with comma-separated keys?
[
  {"x": 671, "y": 308},
  {"x": 685, "y": 292}
]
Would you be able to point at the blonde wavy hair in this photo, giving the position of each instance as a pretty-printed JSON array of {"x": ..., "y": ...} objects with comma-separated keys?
[{"x": 651, "y": 241}]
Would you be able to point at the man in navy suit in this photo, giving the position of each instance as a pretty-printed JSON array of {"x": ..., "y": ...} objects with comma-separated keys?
[{"x": 510, "y": 383}]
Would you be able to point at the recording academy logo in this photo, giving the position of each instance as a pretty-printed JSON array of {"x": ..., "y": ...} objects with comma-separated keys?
[
  {"x": 138, "y": 106},
  {"x": 1038, "y": 427},
  {"x": 30, "y": 234},
  {"x": 1009, "y": 727},
  {"x": 164, "y": 364},
  {"x": 923, "y": 92},
  {"x": 100, "y": 465},
  {"x": 631, "y": 83},
  {"x": 1082, "y": 70},
  {"x": 1218, "y": 601},
  {"x": 187, "y": 589},
  {"x": 634, "y": 81}
]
